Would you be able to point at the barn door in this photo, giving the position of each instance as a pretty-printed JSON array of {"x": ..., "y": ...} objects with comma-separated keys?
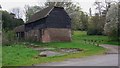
[{"x": 40, "y": 34}]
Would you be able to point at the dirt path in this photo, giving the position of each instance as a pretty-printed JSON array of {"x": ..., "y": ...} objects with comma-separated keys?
[
  {"x": 109, "y": 59},
  {"x": 111, "y": 49}
]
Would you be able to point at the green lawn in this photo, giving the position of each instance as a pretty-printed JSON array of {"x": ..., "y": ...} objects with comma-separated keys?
[
  {"x": 113, "y": 43},
  {"x": 19, "y": 55}
]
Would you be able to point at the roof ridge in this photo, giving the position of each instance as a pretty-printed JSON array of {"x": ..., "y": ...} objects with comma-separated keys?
[
  {"x": 41, "y": 14},
  {"x": 49, "y": 11}
]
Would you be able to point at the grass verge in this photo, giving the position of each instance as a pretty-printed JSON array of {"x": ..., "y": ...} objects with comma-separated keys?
[
  {"x": 19, "y": 55},
  {"x": 113, "y": 43}
]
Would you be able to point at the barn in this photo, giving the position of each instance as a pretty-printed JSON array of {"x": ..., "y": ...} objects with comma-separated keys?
[{"x": 48, "y": 25}]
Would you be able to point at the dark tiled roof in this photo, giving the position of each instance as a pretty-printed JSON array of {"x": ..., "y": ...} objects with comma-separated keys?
[
  {"x": 20, "y": 28},
  {"x": 41, "y": 14},
  {"x": 12, "y": 14}
]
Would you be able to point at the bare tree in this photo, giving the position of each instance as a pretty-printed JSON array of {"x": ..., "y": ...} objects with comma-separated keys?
[
  {"x": 99, "y": 6},
  {"x": 90, "y": 12},
  {"x": 0, "y": 7},
  {"x": 17, "y": 12},
  {"x": 30, "y": 10}
]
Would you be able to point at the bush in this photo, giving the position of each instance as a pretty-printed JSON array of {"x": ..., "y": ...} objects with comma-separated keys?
[
  {"x": 113, "y": 35},
  {"x": 8, "y": 38},
  {"x": 111, "y": 27},
  {"x": 96, "y": 24},
  {"x": 94, "y": 32}
]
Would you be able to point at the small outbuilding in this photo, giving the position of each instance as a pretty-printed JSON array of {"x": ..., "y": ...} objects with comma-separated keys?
[
  {"x": 48, "y": 25},
  {"x": 20, "y": 32}
]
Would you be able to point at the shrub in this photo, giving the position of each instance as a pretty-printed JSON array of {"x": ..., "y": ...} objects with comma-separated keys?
[
  {"x": 111, "y": 26},
  {"x": 96, "y": 24},
  {"x": 8, "y": 38}
]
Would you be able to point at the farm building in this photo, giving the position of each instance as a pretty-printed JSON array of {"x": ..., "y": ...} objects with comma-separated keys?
[
  {"x": 48, "y": 25},
  {"x": 20, "y": 32}
]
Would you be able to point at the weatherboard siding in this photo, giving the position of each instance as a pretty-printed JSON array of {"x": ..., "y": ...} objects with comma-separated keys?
[{"x": 58, "y": 18}]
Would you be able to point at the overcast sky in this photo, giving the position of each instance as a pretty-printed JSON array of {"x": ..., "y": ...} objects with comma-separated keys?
[{"x": 9, "y": 4}]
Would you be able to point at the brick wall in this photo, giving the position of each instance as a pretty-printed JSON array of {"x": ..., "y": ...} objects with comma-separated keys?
[
  {"x": 56, "y": 34},
  {"x": 32, "y": 35},
  {"x": 49, "y": 35}
]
